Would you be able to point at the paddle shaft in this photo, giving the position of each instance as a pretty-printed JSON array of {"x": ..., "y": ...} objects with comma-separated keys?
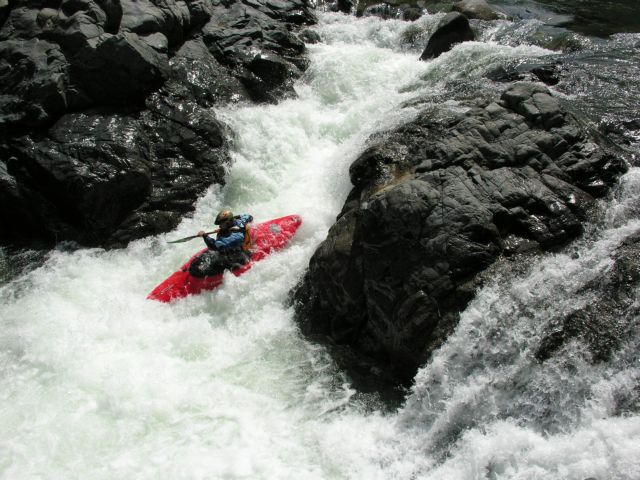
[{"x": 186, "y": 239}]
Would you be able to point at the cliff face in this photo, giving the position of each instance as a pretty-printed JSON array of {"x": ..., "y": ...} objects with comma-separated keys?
[
  {"x": 434, "y": 203},
  {"x": 107, "y": 131}
]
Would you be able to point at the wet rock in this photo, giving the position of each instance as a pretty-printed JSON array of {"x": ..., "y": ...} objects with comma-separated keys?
[
  {"x": 479, "y": 9},
  {"x": 344, "y": 6},
  {"x": 535, "y": 11},
  {"x": 452, "y": 29},
  {"x": 197, "y": 76},
  {"x": 437, "y": 6},
  {"x": 310, "y": 36},
  {"x": 381, "y": 10},
  {"x": 266, "y": 72},
  {"x": 436, "y": 202},
  {"x": 106, "y": 127},
  {"x": 135, "y": 69},
  {"x": 253, "y": 44},
  {"x": 157, "y": 41},
  {"x": 105, "y": 178},
  {"x": 34, "y": 80},
  {"x": 144, "y": 17},
  {"x": 549, "y": 74},
  {"x": 86, "y": 177},
  {"x": 391, "y": 10},
  {"x": 411, "y": 14},
  {"x": 4, "y": 11}
]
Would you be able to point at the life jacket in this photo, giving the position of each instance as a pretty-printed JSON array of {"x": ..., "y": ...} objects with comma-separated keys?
[{"x": 246, "y": 244}]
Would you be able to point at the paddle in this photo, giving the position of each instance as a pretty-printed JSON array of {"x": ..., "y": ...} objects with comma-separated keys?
[{"x": 186, "y": 239}]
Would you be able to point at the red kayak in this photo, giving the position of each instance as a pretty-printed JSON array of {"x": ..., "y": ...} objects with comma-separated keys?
[{"x": 265, "y": 238}]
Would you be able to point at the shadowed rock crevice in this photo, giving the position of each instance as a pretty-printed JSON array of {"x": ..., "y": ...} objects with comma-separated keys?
[{"x": 435, "y": 202}]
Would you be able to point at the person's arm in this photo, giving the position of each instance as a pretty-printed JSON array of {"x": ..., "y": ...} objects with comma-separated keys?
[
  {"x": 230, "y": 241},
  {"x": 210, "y": 242}
]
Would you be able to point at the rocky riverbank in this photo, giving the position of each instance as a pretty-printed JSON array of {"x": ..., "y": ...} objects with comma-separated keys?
[{"x": 108, "y": 130}]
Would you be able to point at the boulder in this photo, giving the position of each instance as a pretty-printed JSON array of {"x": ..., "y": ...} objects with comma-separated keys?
[
  {"x": 344, "y": 6},
  {"x": 87, "y": 176},
  {"x": 452, "y": 29},
  {"x": 197, "y": 76},
  {"x": 107, "y": 131},
  {"x": 548, "y": 73},
  {"x": 23, "y": 22},
  {"x": 135, "y": 69},
  {"x": 4, "y": 11},
  {"x": 34, "y": 80},
  {"x": 479, "y": 9},
  {"x": 269, "y": 78},
  {"x": 265, "y": 57},
  {"x": 104, "y": 178},
  {"x": 381, "y": 10},
  {"x": 145, "y": 17},
  {"x": 435, "y": 202},
  {"x": 310, "y": 36}
]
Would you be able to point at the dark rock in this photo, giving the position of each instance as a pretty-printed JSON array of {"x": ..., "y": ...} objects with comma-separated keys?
[
  {"x": 270, "y": 78},
  {"x": 452, "y": 29},
  {"x": 436, "y": 202},
  {"x": 105, "y": 179},
  {"x": 157, "y": 41},
  {"x": 197, "y": 76},
  {"x": 200, "y": 11},
  {"x": 505, "y": 74},
  {"x": 145, "y": 17},
  {"x": 15, "y": 211},
  {"x": 535, "y": 104},
  {"x": 4, "y": 11},
  {"x": 34, "y": 80},
  {"x": 344, "y": 6},
  {"x": 237, "y": 33},
  {"x": 411, "y": 14},
  {"x": 106, "y": 128},
  {"x": 391, "y": 10},
  {"x": 23, "y": 22},
  {"x": 113, "y": 10},
  {"x": 135, "y": 69},
  {"x": 310, "y": 36},
  {"x": 548, "y": 74},
  {"x": 87, "y": 177},
  {"x": 479, "y": 9},
  {"x": 74, "y": 24},
  {"x": 382, "y": 10}
]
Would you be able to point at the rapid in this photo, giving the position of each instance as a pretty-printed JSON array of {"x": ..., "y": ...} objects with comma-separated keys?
[{"x": 96, "y": 382}]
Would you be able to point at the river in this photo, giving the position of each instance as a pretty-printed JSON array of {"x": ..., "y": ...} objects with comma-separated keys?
[{"x": 96, "y": 382}]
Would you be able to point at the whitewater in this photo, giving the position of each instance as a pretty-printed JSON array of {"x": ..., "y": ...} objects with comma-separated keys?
[{"x": 96, "y": 382}]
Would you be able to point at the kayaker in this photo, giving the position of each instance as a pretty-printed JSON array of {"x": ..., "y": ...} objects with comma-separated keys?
[{"x": 230, "y": 249}]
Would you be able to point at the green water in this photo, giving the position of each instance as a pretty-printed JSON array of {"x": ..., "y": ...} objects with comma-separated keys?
[
  {"x": 590, "y": 17},
  {"x": 598, "y": 17}
]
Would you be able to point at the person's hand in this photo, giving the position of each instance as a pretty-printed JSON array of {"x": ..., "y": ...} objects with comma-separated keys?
[{"x": 200, "y": 233}]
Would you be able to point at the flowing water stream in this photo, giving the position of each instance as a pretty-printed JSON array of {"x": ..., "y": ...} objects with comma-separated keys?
[{"x": 98, "y": 383}]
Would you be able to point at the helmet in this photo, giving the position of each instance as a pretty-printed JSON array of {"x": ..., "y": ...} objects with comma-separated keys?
[{"x": 224, "y": 216}]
